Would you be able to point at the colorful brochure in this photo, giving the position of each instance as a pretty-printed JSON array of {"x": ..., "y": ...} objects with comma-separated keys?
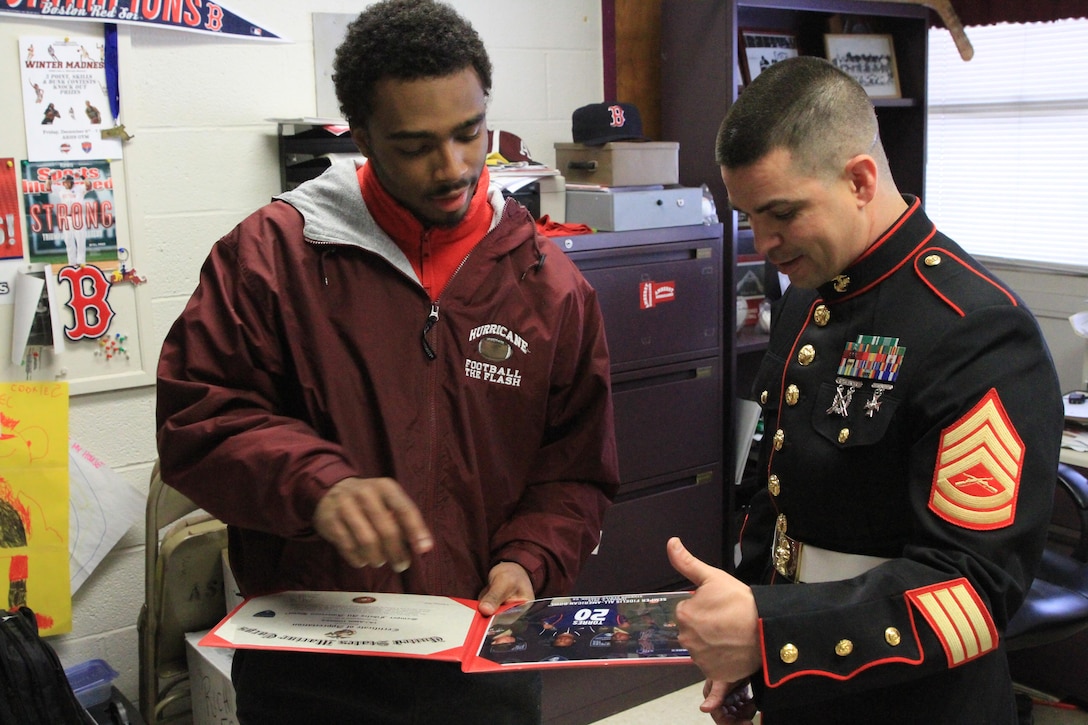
[{"x": 577, "y": 631}]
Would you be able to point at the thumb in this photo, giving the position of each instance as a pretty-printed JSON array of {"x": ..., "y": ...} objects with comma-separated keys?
[
  {"x": 489, "y": 603},
  {"x": 687, "y": 564}
]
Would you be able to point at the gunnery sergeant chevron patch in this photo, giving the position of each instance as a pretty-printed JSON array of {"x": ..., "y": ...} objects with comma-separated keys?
[
  {"x": 958, "y": 618},
  {"x": 977, "y": 476}
]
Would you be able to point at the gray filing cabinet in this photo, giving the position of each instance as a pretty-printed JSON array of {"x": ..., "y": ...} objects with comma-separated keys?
[{"x": 660, "y": 292}]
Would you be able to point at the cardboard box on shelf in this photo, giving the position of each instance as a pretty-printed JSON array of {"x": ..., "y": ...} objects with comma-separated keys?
[{"x": 620, "y": 163}]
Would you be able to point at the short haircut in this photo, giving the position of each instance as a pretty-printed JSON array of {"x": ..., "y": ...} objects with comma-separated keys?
[
  {"x": 807, "y": 106},
  {"x": 403, "y": 40}
]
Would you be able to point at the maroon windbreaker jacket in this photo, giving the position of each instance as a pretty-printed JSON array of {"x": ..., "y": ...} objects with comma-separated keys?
[{"x": 309, "y": 353}]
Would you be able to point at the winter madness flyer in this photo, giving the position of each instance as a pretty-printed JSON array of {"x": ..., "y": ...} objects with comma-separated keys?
[{"x": 65, "y": 103}]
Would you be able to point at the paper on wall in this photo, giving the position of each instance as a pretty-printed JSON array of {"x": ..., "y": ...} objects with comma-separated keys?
[
  {"x": 65, "y": 103},
  {"x": 28, "y": 291},
  {"x": 102, "y": 507},
  {"x": 34, "y": 525}
]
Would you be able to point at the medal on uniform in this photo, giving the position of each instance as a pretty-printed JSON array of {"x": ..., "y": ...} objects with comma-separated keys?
[
  {"x": 872, "y": 405},
  {"x": 869, "y": 357},
  {"x": 844, "y": 393}
]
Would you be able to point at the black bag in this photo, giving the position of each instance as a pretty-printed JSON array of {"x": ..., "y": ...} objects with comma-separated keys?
[{"x": 33, "y": 687}]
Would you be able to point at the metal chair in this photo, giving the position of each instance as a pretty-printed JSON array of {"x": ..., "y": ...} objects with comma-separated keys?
[{"x": 183, "y": 593}]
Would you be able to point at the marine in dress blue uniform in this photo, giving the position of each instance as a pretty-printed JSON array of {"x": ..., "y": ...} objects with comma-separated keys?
[
  {"x": 911, "y": 416},
  {"x": 912, "y": 419}
]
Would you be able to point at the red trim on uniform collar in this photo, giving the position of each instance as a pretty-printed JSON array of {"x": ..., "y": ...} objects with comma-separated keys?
[{"x": 891, "y": 230}]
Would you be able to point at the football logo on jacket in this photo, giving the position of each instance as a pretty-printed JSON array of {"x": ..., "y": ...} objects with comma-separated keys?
[
  {"x": 495, "y": 344},
  {"x": 977, "y": 476}
]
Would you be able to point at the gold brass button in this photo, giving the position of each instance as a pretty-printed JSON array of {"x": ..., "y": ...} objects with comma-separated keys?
[
  {"x": 779, "y": 439},
  {"x": 821, "y": 316},
  {"x": 932, "y": 260},
  {"x": 844, "y": 435},
  {"x": 788, "y": 653},
  {"x": 780, "y": 523},
  {"x": 892, "y": 636},
  {"x": 844, "y": 647},
  {"x": 774, "y": 485},
  {"x": 763, "y": 397},
  {"x": 793, "y": 394},
  {"x": 806, "y": 355}
]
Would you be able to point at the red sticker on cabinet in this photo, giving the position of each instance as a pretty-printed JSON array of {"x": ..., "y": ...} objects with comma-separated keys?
[{"x": 651, "y": 294}]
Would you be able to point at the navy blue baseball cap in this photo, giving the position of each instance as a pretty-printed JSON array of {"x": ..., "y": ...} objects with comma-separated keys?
[{"x": 601, "y": 123}]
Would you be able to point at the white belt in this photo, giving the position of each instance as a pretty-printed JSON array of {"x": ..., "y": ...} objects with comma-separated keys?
[{"x": 807, "y": 563}]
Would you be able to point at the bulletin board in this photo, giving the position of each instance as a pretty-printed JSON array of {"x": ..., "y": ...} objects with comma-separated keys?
[{"x": 96, "y": 335}]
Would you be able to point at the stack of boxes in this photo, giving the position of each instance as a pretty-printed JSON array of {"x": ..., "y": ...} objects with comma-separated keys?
[{"x": 616, "y": 180}]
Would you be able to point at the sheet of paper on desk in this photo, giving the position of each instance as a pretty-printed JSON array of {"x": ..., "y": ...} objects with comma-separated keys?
[
  {"x": 102, "y": 507},
  {"x": 1075, "y": 439}
]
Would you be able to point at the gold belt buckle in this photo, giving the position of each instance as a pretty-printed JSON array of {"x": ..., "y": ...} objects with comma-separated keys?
[{"x": 786, "y": 553}]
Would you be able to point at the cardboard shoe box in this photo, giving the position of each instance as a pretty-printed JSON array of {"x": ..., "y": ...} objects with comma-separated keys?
[
  {"x": 620, "y": 163},
  {"x": 210, "y": 687},
  {"x": 623, "y": 209}
]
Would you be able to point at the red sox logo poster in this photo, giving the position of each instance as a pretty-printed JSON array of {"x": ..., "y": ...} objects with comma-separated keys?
[{"x": 89, "y": 303}]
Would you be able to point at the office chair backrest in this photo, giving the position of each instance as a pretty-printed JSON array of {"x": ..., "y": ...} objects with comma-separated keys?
[{"x": 1056, "y": 605}]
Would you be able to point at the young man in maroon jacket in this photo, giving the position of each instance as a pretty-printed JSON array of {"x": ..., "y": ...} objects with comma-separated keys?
[{"x": 387, "y": 381}]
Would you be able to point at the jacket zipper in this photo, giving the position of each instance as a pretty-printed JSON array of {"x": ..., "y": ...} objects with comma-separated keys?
[
  {"x": 432, "y": 319},
  {"x": 432, "y": 316}
]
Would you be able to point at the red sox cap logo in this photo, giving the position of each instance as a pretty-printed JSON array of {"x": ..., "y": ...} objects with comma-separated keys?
[{"x": 618, "y": 119}]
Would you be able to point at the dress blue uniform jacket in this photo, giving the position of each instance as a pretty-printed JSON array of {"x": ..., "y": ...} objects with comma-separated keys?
[{"x": 911, "y": 412}]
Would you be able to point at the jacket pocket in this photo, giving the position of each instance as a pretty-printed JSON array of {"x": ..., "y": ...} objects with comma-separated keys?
[{"x": 868, "y": 412}]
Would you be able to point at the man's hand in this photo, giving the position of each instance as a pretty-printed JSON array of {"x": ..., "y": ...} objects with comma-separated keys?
[
  {"x": 507, "y": 582},
  {"x": 372, "y": 521},
  {"x": 728, "y": 703},
  {"x": 719, "y": 625}
]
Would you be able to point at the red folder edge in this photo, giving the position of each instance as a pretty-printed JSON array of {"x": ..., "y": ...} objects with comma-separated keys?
[{"x": 454, "y": 654}]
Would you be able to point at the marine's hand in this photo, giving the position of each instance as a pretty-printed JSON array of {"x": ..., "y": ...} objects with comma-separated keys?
[
  {"x": 719, "y": 625},
  {"x": 728, "y": 703},
  {"x": 372, "y": 521},
  {"x": 507, "y": 582}
]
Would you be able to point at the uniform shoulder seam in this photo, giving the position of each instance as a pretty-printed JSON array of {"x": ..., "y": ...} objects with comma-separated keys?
[{"x": 936, "y": 267}]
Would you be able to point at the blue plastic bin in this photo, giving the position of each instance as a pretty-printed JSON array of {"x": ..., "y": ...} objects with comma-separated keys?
[{"x": 92, "y": 681}]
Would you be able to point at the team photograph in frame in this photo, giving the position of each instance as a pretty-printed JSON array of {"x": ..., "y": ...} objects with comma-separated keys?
[
  {"x": 869, "y": 59},
  {"x": 761, "y": 48}
]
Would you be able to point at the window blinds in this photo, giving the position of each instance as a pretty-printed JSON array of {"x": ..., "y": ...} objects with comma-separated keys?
[{"x": 1007, "y": 146}]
